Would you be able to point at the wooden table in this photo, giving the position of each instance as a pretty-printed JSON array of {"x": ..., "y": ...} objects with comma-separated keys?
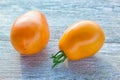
[{"x": 60, "y": 14}]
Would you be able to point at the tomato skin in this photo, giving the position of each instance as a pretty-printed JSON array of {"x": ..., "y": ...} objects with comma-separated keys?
[
  {"x": 81, "y": 40},
  {"x": 30, "y": 33}
]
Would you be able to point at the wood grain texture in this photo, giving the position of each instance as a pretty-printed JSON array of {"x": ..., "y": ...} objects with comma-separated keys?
[
  {"x": 103, "y": 66},
  {"x": 60, "y": 14}
]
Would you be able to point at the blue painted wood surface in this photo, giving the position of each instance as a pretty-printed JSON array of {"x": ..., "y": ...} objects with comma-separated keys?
[{"x": 60, "y": 14}]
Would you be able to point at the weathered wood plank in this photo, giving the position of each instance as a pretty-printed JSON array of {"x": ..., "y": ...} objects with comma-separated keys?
[
  {"x": 110, "y": 49},
  {"x": 112, "y": 33},
  {"x": 103, "y": 66},
  {"x": 107, "y": 15},
  {"x": 106, "y": 11},
  {"x": 61, "y": 5}
]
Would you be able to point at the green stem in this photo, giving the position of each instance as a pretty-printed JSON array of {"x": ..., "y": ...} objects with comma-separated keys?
[{"x": 59, "y": 57}]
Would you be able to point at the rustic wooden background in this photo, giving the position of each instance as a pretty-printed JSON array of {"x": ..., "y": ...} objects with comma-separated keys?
[{"x": 60, "y": 14}]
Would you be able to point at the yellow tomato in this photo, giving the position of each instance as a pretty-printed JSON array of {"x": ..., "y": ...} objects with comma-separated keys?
[
  {"x": 81, "y": 40},
  {"x": 30, "y": 33}
]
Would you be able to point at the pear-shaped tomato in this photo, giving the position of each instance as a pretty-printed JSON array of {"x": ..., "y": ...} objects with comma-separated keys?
[
  {"x": 30, "y": 33},
  {"x": 81, "y": 40}
]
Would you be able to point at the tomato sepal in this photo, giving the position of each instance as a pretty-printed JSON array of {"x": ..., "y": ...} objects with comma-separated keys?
[{"x": 58, "y": 58}]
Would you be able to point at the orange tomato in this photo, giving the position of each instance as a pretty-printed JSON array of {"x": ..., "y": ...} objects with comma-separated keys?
[
  {"x": 81, "y": 40},
  {"x": 30, "y": 33}
]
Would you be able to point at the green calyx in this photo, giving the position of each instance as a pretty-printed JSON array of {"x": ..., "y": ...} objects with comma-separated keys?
[{"x": 59, "y": 57}]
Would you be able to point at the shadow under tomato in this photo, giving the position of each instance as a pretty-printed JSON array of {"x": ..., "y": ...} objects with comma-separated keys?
[
  {"x": 93, "y": 68},
  {"x": 83, "y": 65},
  {"x": 32, "y": 65},
  {"x": 34, "y": 60}
]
